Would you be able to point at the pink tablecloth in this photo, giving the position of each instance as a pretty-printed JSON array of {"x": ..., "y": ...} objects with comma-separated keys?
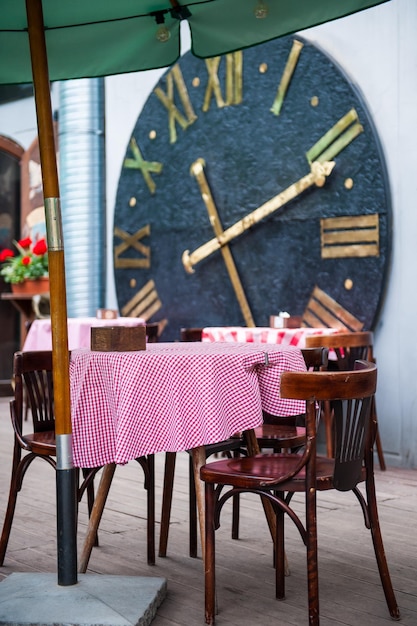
[
  {"x": 281, "y": 336},
  {"x": 39, "y": 336},
  {"x": 173, "y": 397}
]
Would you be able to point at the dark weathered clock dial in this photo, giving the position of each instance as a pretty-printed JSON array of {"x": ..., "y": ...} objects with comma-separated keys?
[{"x": 256, "y": 125}]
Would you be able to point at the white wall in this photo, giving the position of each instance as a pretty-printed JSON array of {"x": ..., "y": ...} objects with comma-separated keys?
[
  {"x": 378, "y": 49},
  {"x": 18, "y": 120}
]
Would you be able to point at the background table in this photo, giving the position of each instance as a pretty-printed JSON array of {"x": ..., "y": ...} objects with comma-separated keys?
[
  {"x": 259, "y": 334},
  {"x": 39, "y": 336},
  {"x": 169, "y": 398}
]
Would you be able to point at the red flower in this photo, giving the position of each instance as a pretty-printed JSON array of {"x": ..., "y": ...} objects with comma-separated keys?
[
  {"x": 6, "y": 254},
  {"x": 25, "y": 243},
  {"x": 26, "y": 260},
  {"x": 40, "y": 247}
]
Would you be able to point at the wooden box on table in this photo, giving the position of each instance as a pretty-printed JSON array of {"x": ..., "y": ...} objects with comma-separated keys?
[{"x": 118, "y": 338}]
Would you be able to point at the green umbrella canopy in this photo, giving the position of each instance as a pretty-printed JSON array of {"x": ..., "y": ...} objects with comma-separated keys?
[{"x": 86, "y": 38}]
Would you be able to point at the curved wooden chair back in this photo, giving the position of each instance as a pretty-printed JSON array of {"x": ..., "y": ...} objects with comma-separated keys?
[
  {"x": 316, "y": 359},
  {"x": 34, "y": 385},
  {"x": 351, "y": 398},
  {"x": 32, "y": 373},
  {"x": 348, "y": 347}
]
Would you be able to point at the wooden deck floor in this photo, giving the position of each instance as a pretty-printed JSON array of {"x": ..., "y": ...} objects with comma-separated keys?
[{"x": 350, "y": 591}]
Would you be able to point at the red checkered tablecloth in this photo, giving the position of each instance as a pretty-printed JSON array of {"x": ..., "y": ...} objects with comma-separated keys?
[
  {"x": 39, "y": 336},
  {"x": 259, "y": 334},
  {"x": 173, "y": 397}
]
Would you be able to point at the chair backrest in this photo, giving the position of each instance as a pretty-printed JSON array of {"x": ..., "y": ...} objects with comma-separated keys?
[
  {"x": 191, "y": 334},
  {"x": 316, "y": 358},
  {"x": 351, "y": 396},
  {"x": 348, "y": 347},
  {"x": 33, "y": 374},
  {"x": 152, "y": 332}
]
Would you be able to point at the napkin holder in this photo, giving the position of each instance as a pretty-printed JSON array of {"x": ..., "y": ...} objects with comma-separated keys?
[
  {"x": 118, "y": 338},
  {"x": 107, "y": 314},
  {"x": 285, "y": 321}
]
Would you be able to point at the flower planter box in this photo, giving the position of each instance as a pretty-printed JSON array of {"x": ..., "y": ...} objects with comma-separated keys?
[{"x": 31, "y": 286}]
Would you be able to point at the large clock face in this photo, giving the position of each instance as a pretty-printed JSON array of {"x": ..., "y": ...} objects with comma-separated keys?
[{"x": 253, "y": 183}]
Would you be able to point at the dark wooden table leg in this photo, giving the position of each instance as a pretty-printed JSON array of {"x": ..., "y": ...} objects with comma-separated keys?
[{"x": 96, "y": 513}]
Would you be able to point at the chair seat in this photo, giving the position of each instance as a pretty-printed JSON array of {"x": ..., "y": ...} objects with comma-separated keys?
[
  {"x": 258, "y": 471},
  {"x": 233, "y": 443},
  {"x": 42, "y": 443},
  {"x": 277, "y": 436}
]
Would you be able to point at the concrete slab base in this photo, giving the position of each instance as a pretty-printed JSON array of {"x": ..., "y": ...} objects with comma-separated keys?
[{"x": 37, "y": 600}]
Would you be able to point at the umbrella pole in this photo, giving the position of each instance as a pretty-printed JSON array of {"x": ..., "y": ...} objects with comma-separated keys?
[{"x": 66, "y": 474}]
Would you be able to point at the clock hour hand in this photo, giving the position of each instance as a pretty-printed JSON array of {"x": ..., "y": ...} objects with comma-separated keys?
[
  {"x": 197, "y": 170},
  {"x": 317, "y": 176}
]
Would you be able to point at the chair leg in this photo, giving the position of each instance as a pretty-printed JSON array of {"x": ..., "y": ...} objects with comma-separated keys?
[
  {"x": 96, "y": 513},
  {"x": 327, "y": 417},
  {"x": 147, "y": 463},
  {"x": 380, "y": 452},
  {"x": 193, "y": 531},
  {"x": 170, "y": 458},
  {"x": 280, "y": 559},
  {"x": 312, "y": 560},
  {"x": 379, "y": 549},
  {"x": 378, "y": 443},
  {"x": 192, "y": 505},
  {"x": 235, "y": 509},
  {"x": 90, "y": 497},
  {"x": 151, "y": 510},
  {"x": 209, "y": 562},
  {"x": 11, "y": 505}
]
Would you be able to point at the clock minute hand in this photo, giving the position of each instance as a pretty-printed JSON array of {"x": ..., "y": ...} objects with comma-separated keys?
[{"x": 317, "y": 176}]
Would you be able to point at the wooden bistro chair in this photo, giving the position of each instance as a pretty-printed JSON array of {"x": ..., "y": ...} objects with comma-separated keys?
[
  {"x": 289, "y": 433},
  {"x": 348, "y": 347},
  {"x": 33, "y": 388},
  {"x": 277, "y": 477},
  {"x": 33, "y": 373},
  {"x": 232, "y": 446}
]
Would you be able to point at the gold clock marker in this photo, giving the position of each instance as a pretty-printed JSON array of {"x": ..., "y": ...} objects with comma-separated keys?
[
  {"x": 233, "y": 87},
  {"x": 144, "y": 303},
  {"x": 349, "y": 236},
  {"x": 146, "y": 167},
  {"x": 336, "y": 138},
  {"x": 286, "y": 76},
  {"x": 175, "y": 77},
  {"x": 197, "y": 170},
  {"x": 323, "y": 310},
  {"x": 132, "y": 241}
]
